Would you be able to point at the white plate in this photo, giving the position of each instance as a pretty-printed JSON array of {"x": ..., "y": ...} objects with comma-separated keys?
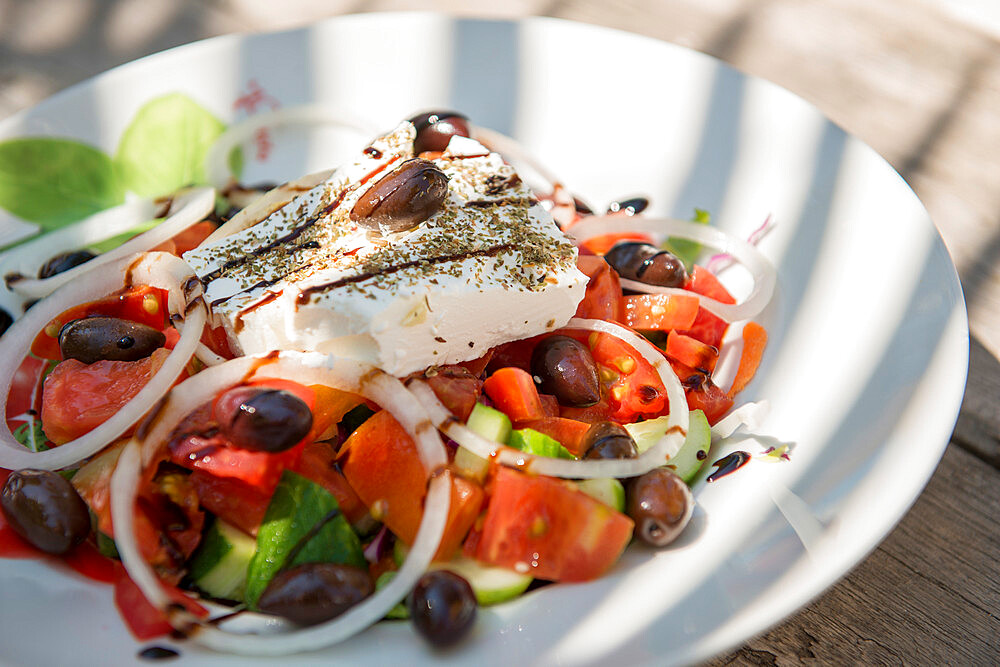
[{"x": 865, "y": 368}]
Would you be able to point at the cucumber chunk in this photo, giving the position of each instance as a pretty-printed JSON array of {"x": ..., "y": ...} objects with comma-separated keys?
[
  {"x": 297, "y": 524},
  {"x": 532, "y": 442},
  {"x": 608, "y": 490},
  {"x": 491, "y": 585},
  {"x": 219, "y": 567},
  {"x": 490, "y": 424},
  {"x": 692, "y": 454}
]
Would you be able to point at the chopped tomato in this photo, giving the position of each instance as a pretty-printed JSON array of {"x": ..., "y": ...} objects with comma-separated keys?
[
  {"x": 457, "y": 388},
  {"x": 599, "y": 412},
  {"x": 691, "y": 352},
  {"x": 231, "y": 500},
  {"x": 192, "y": 237},
  {"x": 79, "y": 397},
  {"x": 515, "y": 354},
  {"x": 550, "y": 405},
  {"x": 144, "y": 304},
  {"x": 217, "y": 340},
  {"x": 383, "y": 466},
  {"x": 600, "y": 245},
  {"x": 568, "y": 432},
  {"x": 551, "y": 528},
  {"x": 709, "y": 399},
  {"x": 478, "y": 366},
  {"x": 602, "y": 299},
  {"x": 318, "y": 463},
  {"x": 708, "y": 328},
  {"x": 143, "y": 619},
  {"x": 634, "y": 387},
  {"x": 514, "y": 393},
  {"x": 213, "y": 454},
  {"x": 168, "y": 522},
  {"x": 662, "y": 312}
]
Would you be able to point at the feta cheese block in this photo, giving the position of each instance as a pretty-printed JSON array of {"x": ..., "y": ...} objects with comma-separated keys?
[{"x": 490, "y": 266}]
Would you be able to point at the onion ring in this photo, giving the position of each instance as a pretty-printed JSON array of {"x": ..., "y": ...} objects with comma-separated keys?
[
  {"x": 156, "y": 269},
  {"x": 655, "y": 456},
  {"x": 194, "y": 206},
  {"x": 764, "y": 274},
  {"x": 217, "y": 158},
  {"x": 344, "y": 374}
]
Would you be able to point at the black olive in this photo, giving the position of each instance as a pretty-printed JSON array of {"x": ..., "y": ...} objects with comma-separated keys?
[
  {"x": 5, "y": 321},
  {"x": 44, "y": 508},
  {"x": 262, "y": 419},
  {"x": 629, "y": 206},
  {"x": 403, "y": 198},
  {"x": 581, "y": 207},
  {"x": 608, "y": 440},
  {"x": 64, "y": 262},
  {"x": 312, "y": 593},
  {"x": 565, "y": 368},
  {"x": 646, "y": 263},
  {"x": 660, "y": 503},
  {"x": 436, "y": 128},
  {"x": 442, "y": 607},
  {"x": 91, "y": 339}
]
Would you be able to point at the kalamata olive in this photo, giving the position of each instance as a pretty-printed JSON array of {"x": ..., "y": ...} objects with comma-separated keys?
[
  {"x": 64, "y": 262},
  {"x": 263, "y": 419},
  {"x": 646, "y": 263},
  {"x": 403, "y": 198},
  {"x": 5, "y": 321},
  {"x": 91, "y": 339},
  {"x": 566, "y": 369},
  {"x": 629, "y": 206},
  {"x": 436, "y": 128},
  {"x": 442, "y": 607},
  {"x": 44, "y": 508},
  {"x": 311, "y": 593},
  {"x": 660, "y": 503},
  {"x": 608, "y": 440}
]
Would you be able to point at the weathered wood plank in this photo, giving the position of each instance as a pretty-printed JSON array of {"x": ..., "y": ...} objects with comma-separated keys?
[{"x": 930, "y": 594}]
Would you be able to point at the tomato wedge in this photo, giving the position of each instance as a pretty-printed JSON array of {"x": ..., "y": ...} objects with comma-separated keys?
[
  {"x": 79, "y": 397},
  {"x": 708, "y": 328},
  {"x": 602, "y": 299},
  {"x": 660, "y": 312},
  {"x": 514, "y": 393},
  {"x": 549, "y": 528},
  {"x": 382, "y": 465}
]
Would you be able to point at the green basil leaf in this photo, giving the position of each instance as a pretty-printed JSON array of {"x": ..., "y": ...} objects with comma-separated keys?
[
  {"x": 164, "y": 147},
  {"x": 52, "y": 181},
  {"x": 687, "y": 250}
]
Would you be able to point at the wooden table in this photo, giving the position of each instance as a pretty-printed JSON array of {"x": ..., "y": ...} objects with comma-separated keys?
[{"x": 920, "y": 87}]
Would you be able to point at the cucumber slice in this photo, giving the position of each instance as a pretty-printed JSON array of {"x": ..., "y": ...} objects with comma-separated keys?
[
  {"x": 692, "y": 454},
  {"x": 608, "y": 490},
  {"x": 471, "y": 465},
  {"x": 297, "y": 524},
  {"x": 491, "y": 585},
  {"x": 532, "y": 442},
  {"x": 219, "y": 567}
]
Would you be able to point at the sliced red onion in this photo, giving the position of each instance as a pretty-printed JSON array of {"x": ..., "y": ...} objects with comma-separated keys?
[
  {"x": 655, "y": 456},
  {"x": 217, "y": 159},
  {"x": 190, "y": 207},
  {"x": 379, "y": 546},
  {"x": 157, "y": 269},
  {"x": 722, "y": 261},
  {"x": 763, "y": 272},
  {"x": 308, "y": 368}
]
